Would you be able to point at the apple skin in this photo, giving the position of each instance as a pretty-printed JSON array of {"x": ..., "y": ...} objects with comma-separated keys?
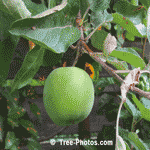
[{"x": 68, "y": 95}]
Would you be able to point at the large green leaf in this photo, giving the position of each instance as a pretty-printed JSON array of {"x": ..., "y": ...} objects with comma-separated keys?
[
  {"x": 29, "y": 68},
  {"x": 129, "y": 55},
  {"x": 56, "y": 39},
  {"x": 55, "y": 31}
]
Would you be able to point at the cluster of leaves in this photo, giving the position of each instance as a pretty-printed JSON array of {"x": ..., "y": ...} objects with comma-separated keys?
[{"x": 54, "y": 33}]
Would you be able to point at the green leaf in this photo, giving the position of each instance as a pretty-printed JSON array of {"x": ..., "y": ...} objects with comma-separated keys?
[
  {"x": 56, "y": 39},
  {"x": 145, "y": 112},
  {"x": 12, "y": 122},
  {"x": 29, "y": 68},
  {"x": 29, "y": 127},
  {"x": 129, "y": 55},
  {"x": 16, "y": 111},
  {"x": 129, "y": 25},
  {"x": 33, "y": 144},
  {"x": 55, "y": 31},
  {"x": 130, "y": 19},
  {"x": 15, "y": 8},
  {"x": 1, "y": 129},
  {"x": 10, "y": 140},
  {"x": 98, "y": 39},
  {"x": 136, "y": 141},
  {"x": 35, "y": 82},
  {"x": 35, "y": 110},
  {"x": 26, "y": 123}
]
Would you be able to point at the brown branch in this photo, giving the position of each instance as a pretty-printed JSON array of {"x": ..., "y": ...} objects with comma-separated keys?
[{"x": 112, "y": 72}]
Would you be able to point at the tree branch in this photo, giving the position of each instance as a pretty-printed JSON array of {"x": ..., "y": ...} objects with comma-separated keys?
[{"x": 86, "y": 49}]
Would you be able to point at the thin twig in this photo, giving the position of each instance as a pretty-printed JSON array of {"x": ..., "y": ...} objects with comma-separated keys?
[
  {"x": 112, "y": 72},
  {"x": 80, "y": 27},
  {"x": 86, "y": 12},
  {"x": 78, "y": 53},
  {"x": 86, "y": 39},
  {"x": 117, "y": 124}
]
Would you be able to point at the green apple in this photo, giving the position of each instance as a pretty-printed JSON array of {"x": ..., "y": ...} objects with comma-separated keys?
[{"x": 68, "y": 95}]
